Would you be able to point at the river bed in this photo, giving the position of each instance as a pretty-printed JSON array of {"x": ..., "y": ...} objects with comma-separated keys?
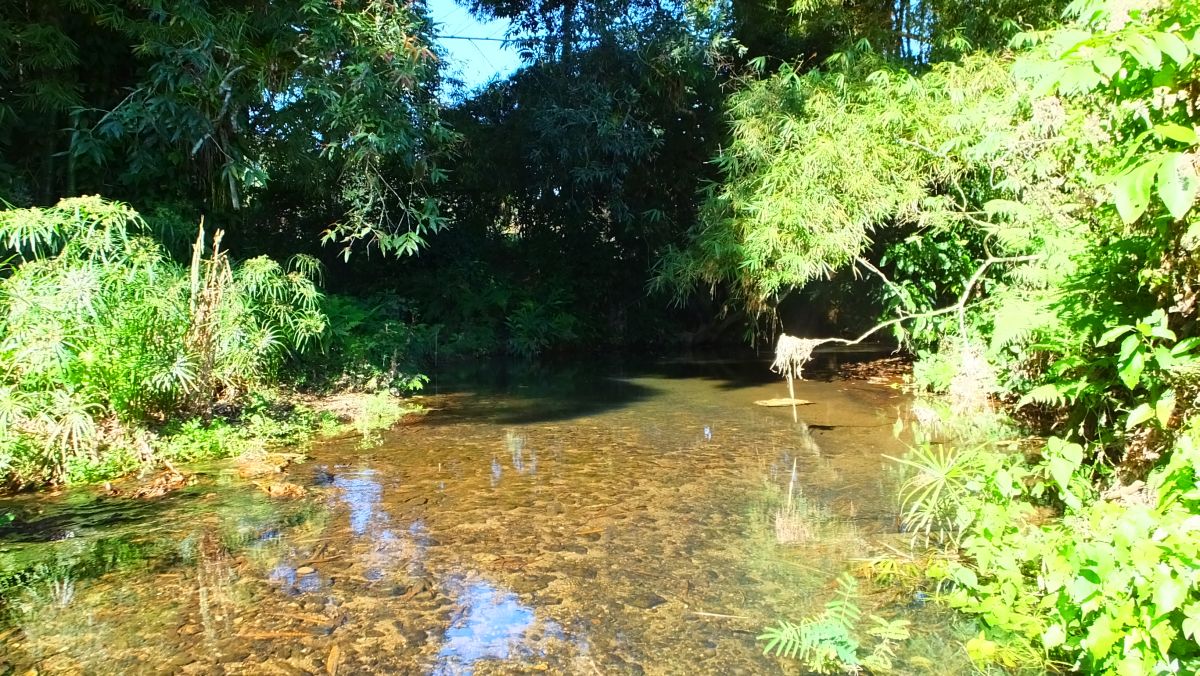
[{"x": 589, "y": 518}]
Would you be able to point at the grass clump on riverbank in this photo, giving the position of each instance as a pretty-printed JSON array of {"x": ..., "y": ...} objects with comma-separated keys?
[{"x": 116, "y": 356}]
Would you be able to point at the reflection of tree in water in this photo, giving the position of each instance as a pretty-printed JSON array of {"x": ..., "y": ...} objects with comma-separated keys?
[
  {"x": 523, "y": 460},
  {"x": 522, "y": 463},
  {"x": 801, "y": 452},
  {"x": 48, "y": 573},
  {"x": 68, "y": 602},
  {"x": 214, "y": 580},
  {"x": 361, "y": 492},
  {"x": 794, "y": 519}
]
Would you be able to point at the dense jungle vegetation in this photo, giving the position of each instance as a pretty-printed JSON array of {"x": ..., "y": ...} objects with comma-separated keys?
[{"x": 210, "y": 203}]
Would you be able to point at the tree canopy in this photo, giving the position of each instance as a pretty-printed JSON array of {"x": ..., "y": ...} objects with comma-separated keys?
[{"x": 287, "y": 114}]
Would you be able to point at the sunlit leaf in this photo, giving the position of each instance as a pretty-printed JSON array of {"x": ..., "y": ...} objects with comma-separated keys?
[
  {"x": 1131, "y": 190},
  {"x": 1177, "y": 184}
]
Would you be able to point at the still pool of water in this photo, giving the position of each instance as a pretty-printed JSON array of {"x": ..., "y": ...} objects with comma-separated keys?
[{"x": 590, "y": 519}]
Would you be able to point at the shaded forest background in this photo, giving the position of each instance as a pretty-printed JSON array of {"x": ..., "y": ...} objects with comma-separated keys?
[{"x": 316, "y": 127}]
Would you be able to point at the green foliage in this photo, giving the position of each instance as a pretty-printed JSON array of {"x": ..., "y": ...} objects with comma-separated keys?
[
  {"x": 933, "y": 494},
  {"x": 242, "y": 109},
  {"x": 102, "y": 331},
  {"x": 1109, "y": 588},
  {"x": 264, "y": 422},
  {"x": 928, "y": 271},
  {"x": 791, "y": 208},
  {"x": 533, "y": 326},
  {"x": 827, "y": 643},
  {"x": 372, "y": 344},
  {"x": 1149, "y": 365},
  {"x": 378, "y": 412},
  {"x": 934, "y": 371},
  {"x": 573, "y": 175},
  {"x": 1070, "y": 168}
]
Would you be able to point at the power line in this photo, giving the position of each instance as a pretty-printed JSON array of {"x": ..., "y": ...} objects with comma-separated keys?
[
  {"x": 534, "y": 38},
  {"x": 465, "y": 37}
]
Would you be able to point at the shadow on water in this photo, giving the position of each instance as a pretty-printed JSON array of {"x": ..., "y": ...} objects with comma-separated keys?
[
  {"x": 513, "y": 392},
  {"x": 516, "y": 392}
]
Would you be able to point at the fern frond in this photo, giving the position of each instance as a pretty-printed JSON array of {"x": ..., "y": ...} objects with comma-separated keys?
[
  {"x": 841, "y": 609},
  {"x": 889, "y": 630},
  {"x": 1016, "y": 320}
]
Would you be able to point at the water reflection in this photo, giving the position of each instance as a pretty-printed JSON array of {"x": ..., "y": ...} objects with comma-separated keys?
[
  {"x": 361, "y": 492},
  {"x": 489, "y": 623},
  {"x": 497, "y": 472},
  {"x": 522, "y": 462}
]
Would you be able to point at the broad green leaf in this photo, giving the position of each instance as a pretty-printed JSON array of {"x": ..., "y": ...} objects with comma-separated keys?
[
  {"x": 1165, "y": 76},
  {"x": 1172, "y": 46},
  {"x": 1130, "y": 371},
  {"x": 1169, "y": 593},
  {"x": 1108, "y": 64},
  {"x": 1164, "y": 359},
  {"x": 1164, "y": 408},
  {"x": 1139, "y": 415},
  {"x": 1062, "y": 459},
  {"x": 1176, "y": 132},
  {"x": 1184, "y": 346},
  {"x": 1112, "y": 334},
  {"x": 1131, "y": 344},
  {"x": 1191, "y": 622},
  {"x": 1144, "y": 50},
  {"x": 1054, "y": 636},
  {"x": 1177, "y": 184},
  {"x": 1079, "y": 78},
  {"x": 1071, "y": 452},
  {"x": 1068, "y": 39},
  {"x": 1102, "y": 636},
  {"x": 1131, "y": 190},
  {"x": 965, "y": 576},
  {"x": 981, "y": 650}
]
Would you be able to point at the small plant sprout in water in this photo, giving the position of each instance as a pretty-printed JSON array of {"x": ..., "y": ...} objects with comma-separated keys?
[
  {"x": 62, "y": 591},
  {"x": 797, "y": 520}
]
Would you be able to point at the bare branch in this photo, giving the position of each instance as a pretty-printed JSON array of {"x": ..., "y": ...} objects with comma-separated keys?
[
  {"x": 887, "y": 282},
  {"x": 792, "y": 353}
]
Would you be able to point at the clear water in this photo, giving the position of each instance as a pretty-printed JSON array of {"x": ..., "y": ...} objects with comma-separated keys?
[{"x": 595, "y": 518}]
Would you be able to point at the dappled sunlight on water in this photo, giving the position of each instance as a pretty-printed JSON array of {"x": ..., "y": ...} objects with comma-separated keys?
[{"x": 572, "y": 523}]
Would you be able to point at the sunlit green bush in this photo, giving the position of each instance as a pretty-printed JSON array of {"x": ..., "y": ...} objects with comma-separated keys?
[
  {"x": 103, "y": 332},
  {"x": 1110, "y": 587}
]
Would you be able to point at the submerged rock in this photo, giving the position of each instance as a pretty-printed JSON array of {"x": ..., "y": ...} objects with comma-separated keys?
[
  {"x": 281, "y": 489},
  {"x": 645, "y": 601}
]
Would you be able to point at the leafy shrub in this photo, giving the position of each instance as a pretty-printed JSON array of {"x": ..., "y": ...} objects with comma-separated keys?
[
  {"x": 371, "y": 345},
  {"x": 1111, "y": 587},
  {"x": 536, "y": 325},
  {"x": 102, "y": 330},
  {"x": 376, "y": 412},
  {"x": 934, "y": 371}
]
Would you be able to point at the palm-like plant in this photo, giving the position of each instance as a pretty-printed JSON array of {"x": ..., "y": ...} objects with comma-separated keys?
[
  {"x": 99, "y": 321},
  {"x": 932, "y": 494}
]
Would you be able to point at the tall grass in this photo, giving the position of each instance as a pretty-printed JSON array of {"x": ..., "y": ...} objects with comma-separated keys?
[{"x": 103, "y": 332}]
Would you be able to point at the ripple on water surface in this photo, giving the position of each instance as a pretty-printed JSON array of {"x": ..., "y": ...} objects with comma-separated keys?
[{"x": 579, "y": 520}]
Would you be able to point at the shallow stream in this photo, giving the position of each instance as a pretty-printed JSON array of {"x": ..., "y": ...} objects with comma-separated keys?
[{"x": 590, "y": 519}]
